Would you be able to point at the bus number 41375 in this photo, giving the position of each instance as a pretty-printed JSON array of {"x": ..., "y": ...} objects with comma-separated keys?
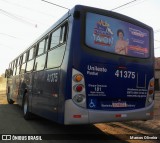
[{"x": 125, "y": 74}]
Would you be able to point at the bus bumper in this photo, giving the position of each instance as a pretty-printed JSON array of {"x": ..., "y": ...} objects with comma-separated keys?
[{"x": 77, "y": 115}]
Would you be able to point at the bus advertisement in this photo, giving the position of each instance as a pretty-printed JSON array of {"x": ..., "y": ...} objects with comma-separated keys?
[{"x": 91, "y": 66}]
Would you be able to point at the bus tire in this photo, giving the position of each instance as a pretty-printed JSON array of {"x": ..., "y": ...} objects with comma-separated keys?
[
  {"x": 26, "y": 113},
  {"x": 10, "y": 101}
]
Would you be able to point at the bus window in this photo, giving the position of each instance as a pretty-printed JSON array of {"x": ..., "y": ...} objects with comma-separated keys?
[
  {"x": 14, "y": 71},
  {"x": 55, "y": 57},
  {"x": 55, "y": 38},
  {"x": 46, "y": 44},
  {"x": 63, "y": 33},
  {"x": 27, "y": 56},
  {"x": 23, "y": 67},
  {"x": 12, "y": 65},
  {"x": 15, "y": 66},
  {"x": 41, "y": 47},
  {"x": 17, "y": 71},
  {"x": 24, "y": 58},
  {"x": 40, "y": 63},
  {"x": 19, "y": 65},
  {"x": 18, "y": 61},
  {"x": 29, "y": 67},
  {"x": 31, "y": 53}
]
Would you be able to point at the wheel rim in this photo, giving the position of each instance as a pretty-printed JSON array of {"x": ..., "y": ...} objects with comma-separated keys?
[{"x": 25, "y": 106}]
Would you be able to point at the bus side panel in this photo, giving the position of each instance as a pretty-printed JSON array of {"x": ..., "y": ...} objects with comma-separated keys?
[
  {"x": 25, "y": 87},
  {"x": 65, "y": 76},
  {"x": 64, "y": 86},
  {"x": 9, "y": 88},
  {"x": 22, "y": 89},
  {"x": 15, "y": 86},
  {"x": 45, "y": 93}
]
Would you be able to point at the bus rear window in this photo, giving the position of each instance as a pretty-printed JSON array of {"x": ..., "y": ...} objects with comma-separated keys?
[{"x": 116, "y": 36}]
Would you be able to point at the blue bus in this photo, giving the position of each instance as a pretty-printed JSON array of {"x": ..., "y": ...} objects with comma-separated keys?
[{"x": 91, "y": 66}]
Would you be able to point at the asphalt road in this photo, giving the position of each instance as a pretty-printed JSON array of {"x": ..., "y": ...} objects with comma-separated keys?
[{"x": 12, "y": 122}]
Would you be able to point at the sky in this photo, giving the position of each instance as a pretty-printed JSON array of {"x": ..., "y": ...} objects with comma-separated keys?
[{"x": 23, "y": 21}]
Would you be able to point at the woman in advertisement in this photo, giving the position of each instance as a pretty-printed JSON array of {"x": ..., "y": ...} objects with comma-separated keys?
[{"x": 121, "y": 44}]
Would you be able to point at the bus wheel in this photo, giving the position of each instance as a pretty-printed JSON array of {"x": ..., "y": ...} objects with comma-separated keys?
[
  {"x": 26, "y": 113},
  {"x": 10, "y": 101}
]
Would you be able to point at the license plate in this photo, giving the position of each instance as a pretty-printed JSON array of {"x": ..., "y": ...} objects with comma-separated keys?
[{"x": 119, "y": 104}]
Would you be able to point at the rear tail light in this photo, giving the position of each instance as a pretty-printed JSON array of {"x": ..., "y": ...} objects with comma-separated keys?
[
  {"x": 78, "y": 88},
  {"x": 77, "y": 116},
  {"x": 79, "y": 98},
  {"x": 150, "y": 99},
  {"x": 151, "y": 83},
  {"x": 121, "y": 115},
  {"x": 151, "y": 91},
  {"x": 150, "y": 114},
  {"x": 151, "y": 87},
  {"x": 78, "y": 78},
  {"x": 150, "y": 94}
]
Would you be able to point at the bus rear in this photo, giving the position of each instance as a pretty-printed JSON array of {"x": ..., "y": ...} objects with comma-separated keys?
[{"x": 112, "y": 68}]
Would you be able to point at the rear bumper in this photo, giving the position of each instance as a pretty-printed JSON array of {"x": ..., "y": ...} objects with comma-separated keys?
[{"x": 77, "y": 115}]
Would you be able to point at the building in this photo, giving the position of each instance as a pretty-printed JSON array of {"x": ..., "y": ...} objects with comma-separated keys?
[
  {"x": 2, "y": 84},
  {"x": 157, "y": 74}
]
